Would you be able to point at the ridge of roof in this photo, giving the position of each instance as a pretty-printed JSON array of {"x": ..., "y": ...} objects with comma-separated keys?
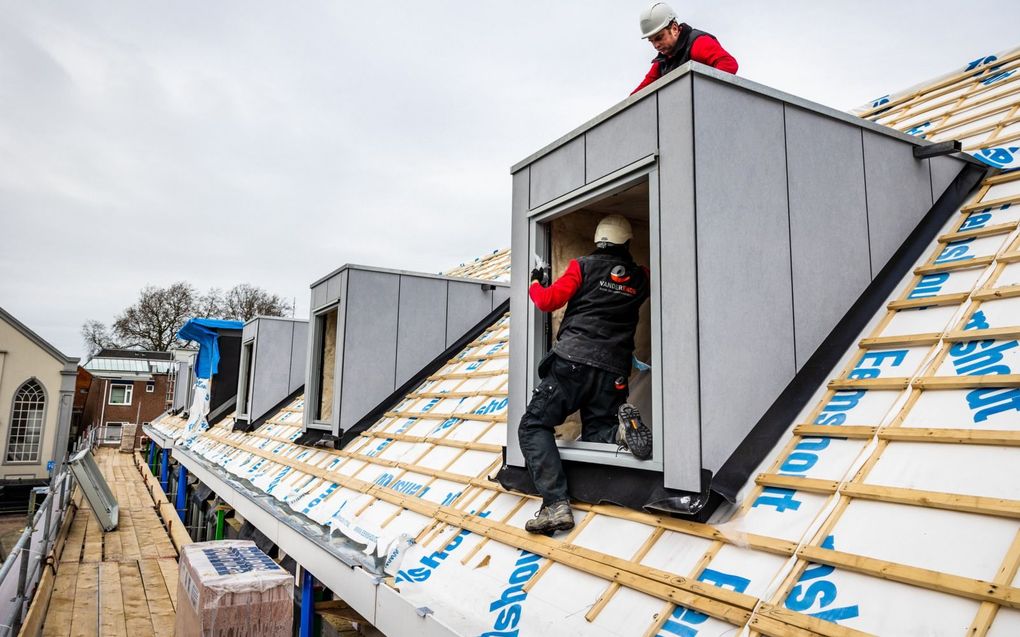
[{"x": 35, "y": 338}]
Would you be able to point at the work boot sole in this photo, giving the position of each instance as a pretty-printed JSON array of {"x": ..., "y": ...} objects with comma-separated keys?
[
  {"x": 549, "y": 529},
  {"x": 636, "y": 433}
]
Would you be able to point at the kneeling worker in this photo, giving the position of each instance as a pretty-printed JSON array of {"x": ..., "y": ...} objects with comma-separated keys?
[{"x": 588, "y": 367}]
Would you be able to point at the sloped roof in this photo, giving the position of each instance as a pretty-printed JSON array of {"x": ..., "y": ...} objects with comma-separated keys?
[
  {"x": 128, "y": 365},
  {"x": 892, "y": 506},
  {"x": 495, "y": 266},
  {"x": 35, "y": 338},
  {"x": 133, "y": 353}
]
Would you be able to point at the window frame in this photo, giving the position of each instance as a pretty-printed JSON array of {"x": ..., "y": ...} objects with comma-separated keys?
[
  {"x": 318, "y": 324},
  {"x": 128, "y": 394},
  {"x": 106, "y": 427},
  {"x": 539, "y": 338},
  {"x": 45, "y": 402}
]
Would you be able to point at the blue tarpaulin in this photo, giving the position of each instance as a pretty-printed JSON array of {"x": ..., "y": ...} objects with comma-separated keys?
[{"x": 203, "y": 332}]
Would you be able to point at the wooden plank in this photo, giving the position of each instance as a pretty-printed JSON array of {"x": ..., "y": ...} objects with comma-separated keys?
[
  {"x": 45, "y": 591},
  {"x": 934, "y": 500},
  {"x": 431, "y": 415},
  {"x": 992, "y": 294},
  {"x": 129, "y": 548},
  {"x": 111, "y": 603},
  {"x": 136, "y": 609},
  {"x": 987, "y": 231},
  {"x": 891, "y": 382},
  {"x": 838, "y": 431},
  {"x": 909, "y": 340},
  {"x": 995, "y": 333},
  {"x": 161, "y": 609},
  {"x": 459, "y": 444},
  {"x": 808, "y": 485},
  {"x": 61, "y": 608},
  {"x": 112, "y": 551},
  {"x": 1009, "y": 257},
  {"x": 967, "y": 382},
  {"x": 76, "y": 536},
  {"x": 146, "y": 543},
  {"x": 953, "y": 266},
  {"x": 1007, "y": 572},
  {"x": 85, "y": 621},
  {"x": 772, "y": 628},
  {"x": 93, "y": 549},
  {"x": 991, "y": 203},
  {"x": 940, "y": 300},
  {"x": 814, "y": 625},
  {"x": 171, "y": 571},
  {"x": 952, "y": 436},
  {"x": 924, "y": 578}
]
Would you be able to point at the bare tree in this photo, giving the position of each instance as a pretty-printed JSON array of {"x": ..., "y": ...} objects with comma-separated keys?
[
  {"x": 152, "y": 322},
  {"x": 97, "y": 337},
  {"x": 244, "y": 302},
  {"x": 211, "y": 304}
]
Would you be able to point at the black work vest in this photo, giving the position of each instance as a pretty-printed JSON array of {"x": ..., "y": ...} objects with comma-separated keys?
[
  {"x": 599, "y": 323},
  {"x": 682, "y": 50}
]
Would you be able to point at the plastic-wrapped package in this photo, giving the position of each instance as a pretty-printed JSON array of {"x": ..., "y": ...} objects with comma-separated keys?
[
  {"x": 127, "y": 437},
  {"x": 229, "y": 588}
]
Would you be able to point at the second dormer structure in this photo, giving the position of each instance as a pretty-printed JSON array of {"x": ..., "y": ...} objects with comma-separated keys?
[
  {"x": 272, "y": 367},
  {"x": 372, "y": 330}
]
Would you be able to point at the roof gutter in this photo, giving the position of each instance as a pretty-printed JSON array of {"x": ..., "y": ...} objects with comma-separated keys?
[{"x": 332, "y": 560}]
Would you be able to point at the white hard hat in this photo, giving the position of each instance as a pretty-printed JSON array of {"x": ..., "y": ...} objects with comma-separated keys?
[
  {"x": 656, "y": 18},
  {"x": 613, "y": 229}
]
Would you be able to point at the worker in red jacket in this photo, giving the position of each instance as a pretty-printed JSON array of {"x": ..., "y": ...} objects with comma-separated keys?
[
  {"x": 588, "y": 367},
  {"x": 679, "y": 43}
]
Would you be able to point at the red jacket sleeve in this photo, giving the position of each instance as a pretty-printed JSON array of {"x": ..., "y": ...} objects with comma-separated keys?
[
  {"x": 556, "y": 295},
  {"x": 653, "y": 74},
  {"x": 707, "y": 50}
]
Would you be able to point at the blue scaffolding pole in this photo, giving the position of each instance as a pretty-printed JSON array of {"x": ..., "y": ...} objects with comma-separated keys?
[
  {"x": 307, "y": 603},
  {"x": 182, "y": 492},
  {"x": 164, "y": 470}
]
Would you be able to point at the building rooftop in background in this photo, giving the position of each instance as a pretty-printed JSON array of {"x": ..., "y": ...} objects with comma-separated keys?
[{"x": 134, "y": 354}]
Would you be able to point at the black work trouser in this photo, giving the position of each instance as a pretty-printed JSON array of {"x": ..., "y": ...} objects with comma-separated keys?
[{"x": 565, "y": 388}]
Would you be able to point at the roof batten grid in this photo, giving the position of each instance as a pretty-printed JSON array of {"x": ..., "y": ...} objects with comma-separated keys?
[
  {"x": 273, "y": 445},
  {"x": 992, "y": 594}
]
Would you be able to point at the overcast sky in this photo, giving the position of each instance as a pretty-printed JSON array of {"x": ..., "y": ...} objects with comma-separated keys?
[{"x": 271, "y": 142}]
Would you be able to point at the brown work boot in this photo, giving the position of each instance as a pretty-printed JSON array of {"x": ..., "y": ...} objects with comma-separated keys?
[{"x": 549, "y": 519}]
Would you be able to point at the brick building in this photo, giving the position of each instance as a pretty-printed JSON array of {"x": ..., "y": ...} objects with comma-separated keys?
[{"x": 128, "y": 387}]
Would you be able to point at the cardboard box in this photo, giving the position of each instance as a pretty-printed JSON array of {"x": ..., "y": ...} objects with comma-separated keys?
[{"x": 229, "y": 588}]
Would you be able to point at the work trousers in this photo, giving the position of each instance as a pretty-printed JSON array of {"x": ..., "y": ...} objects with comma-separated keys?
[{"x": 567, "y": 387}]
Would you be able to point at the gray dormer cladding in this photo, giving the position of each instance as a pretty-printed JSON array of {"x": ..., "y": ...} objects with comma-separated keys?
[
  {"x": 279, "y": 349},
  {"x": 182, "y": 385},
  {"x": 769, "y": 217},
  {"x": 389, "y": 325}
]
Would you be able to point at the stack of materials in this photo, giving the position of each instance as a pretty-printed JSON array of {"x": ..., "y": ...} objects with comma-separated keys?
[
  {"x": 127, "y": 438},
  {"x": 230, "y": 587}
]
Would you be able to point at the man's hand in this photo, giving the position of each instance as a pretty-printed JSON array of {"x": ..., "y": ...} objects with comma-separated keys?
[{"x": 541, "y": 275}]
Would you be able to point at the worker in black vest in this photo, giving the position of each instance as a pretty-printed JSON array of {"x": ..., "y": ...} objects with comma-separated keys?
[
  {"x": 588, "y": 366},
  {"x": 678, "y": 43}
]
